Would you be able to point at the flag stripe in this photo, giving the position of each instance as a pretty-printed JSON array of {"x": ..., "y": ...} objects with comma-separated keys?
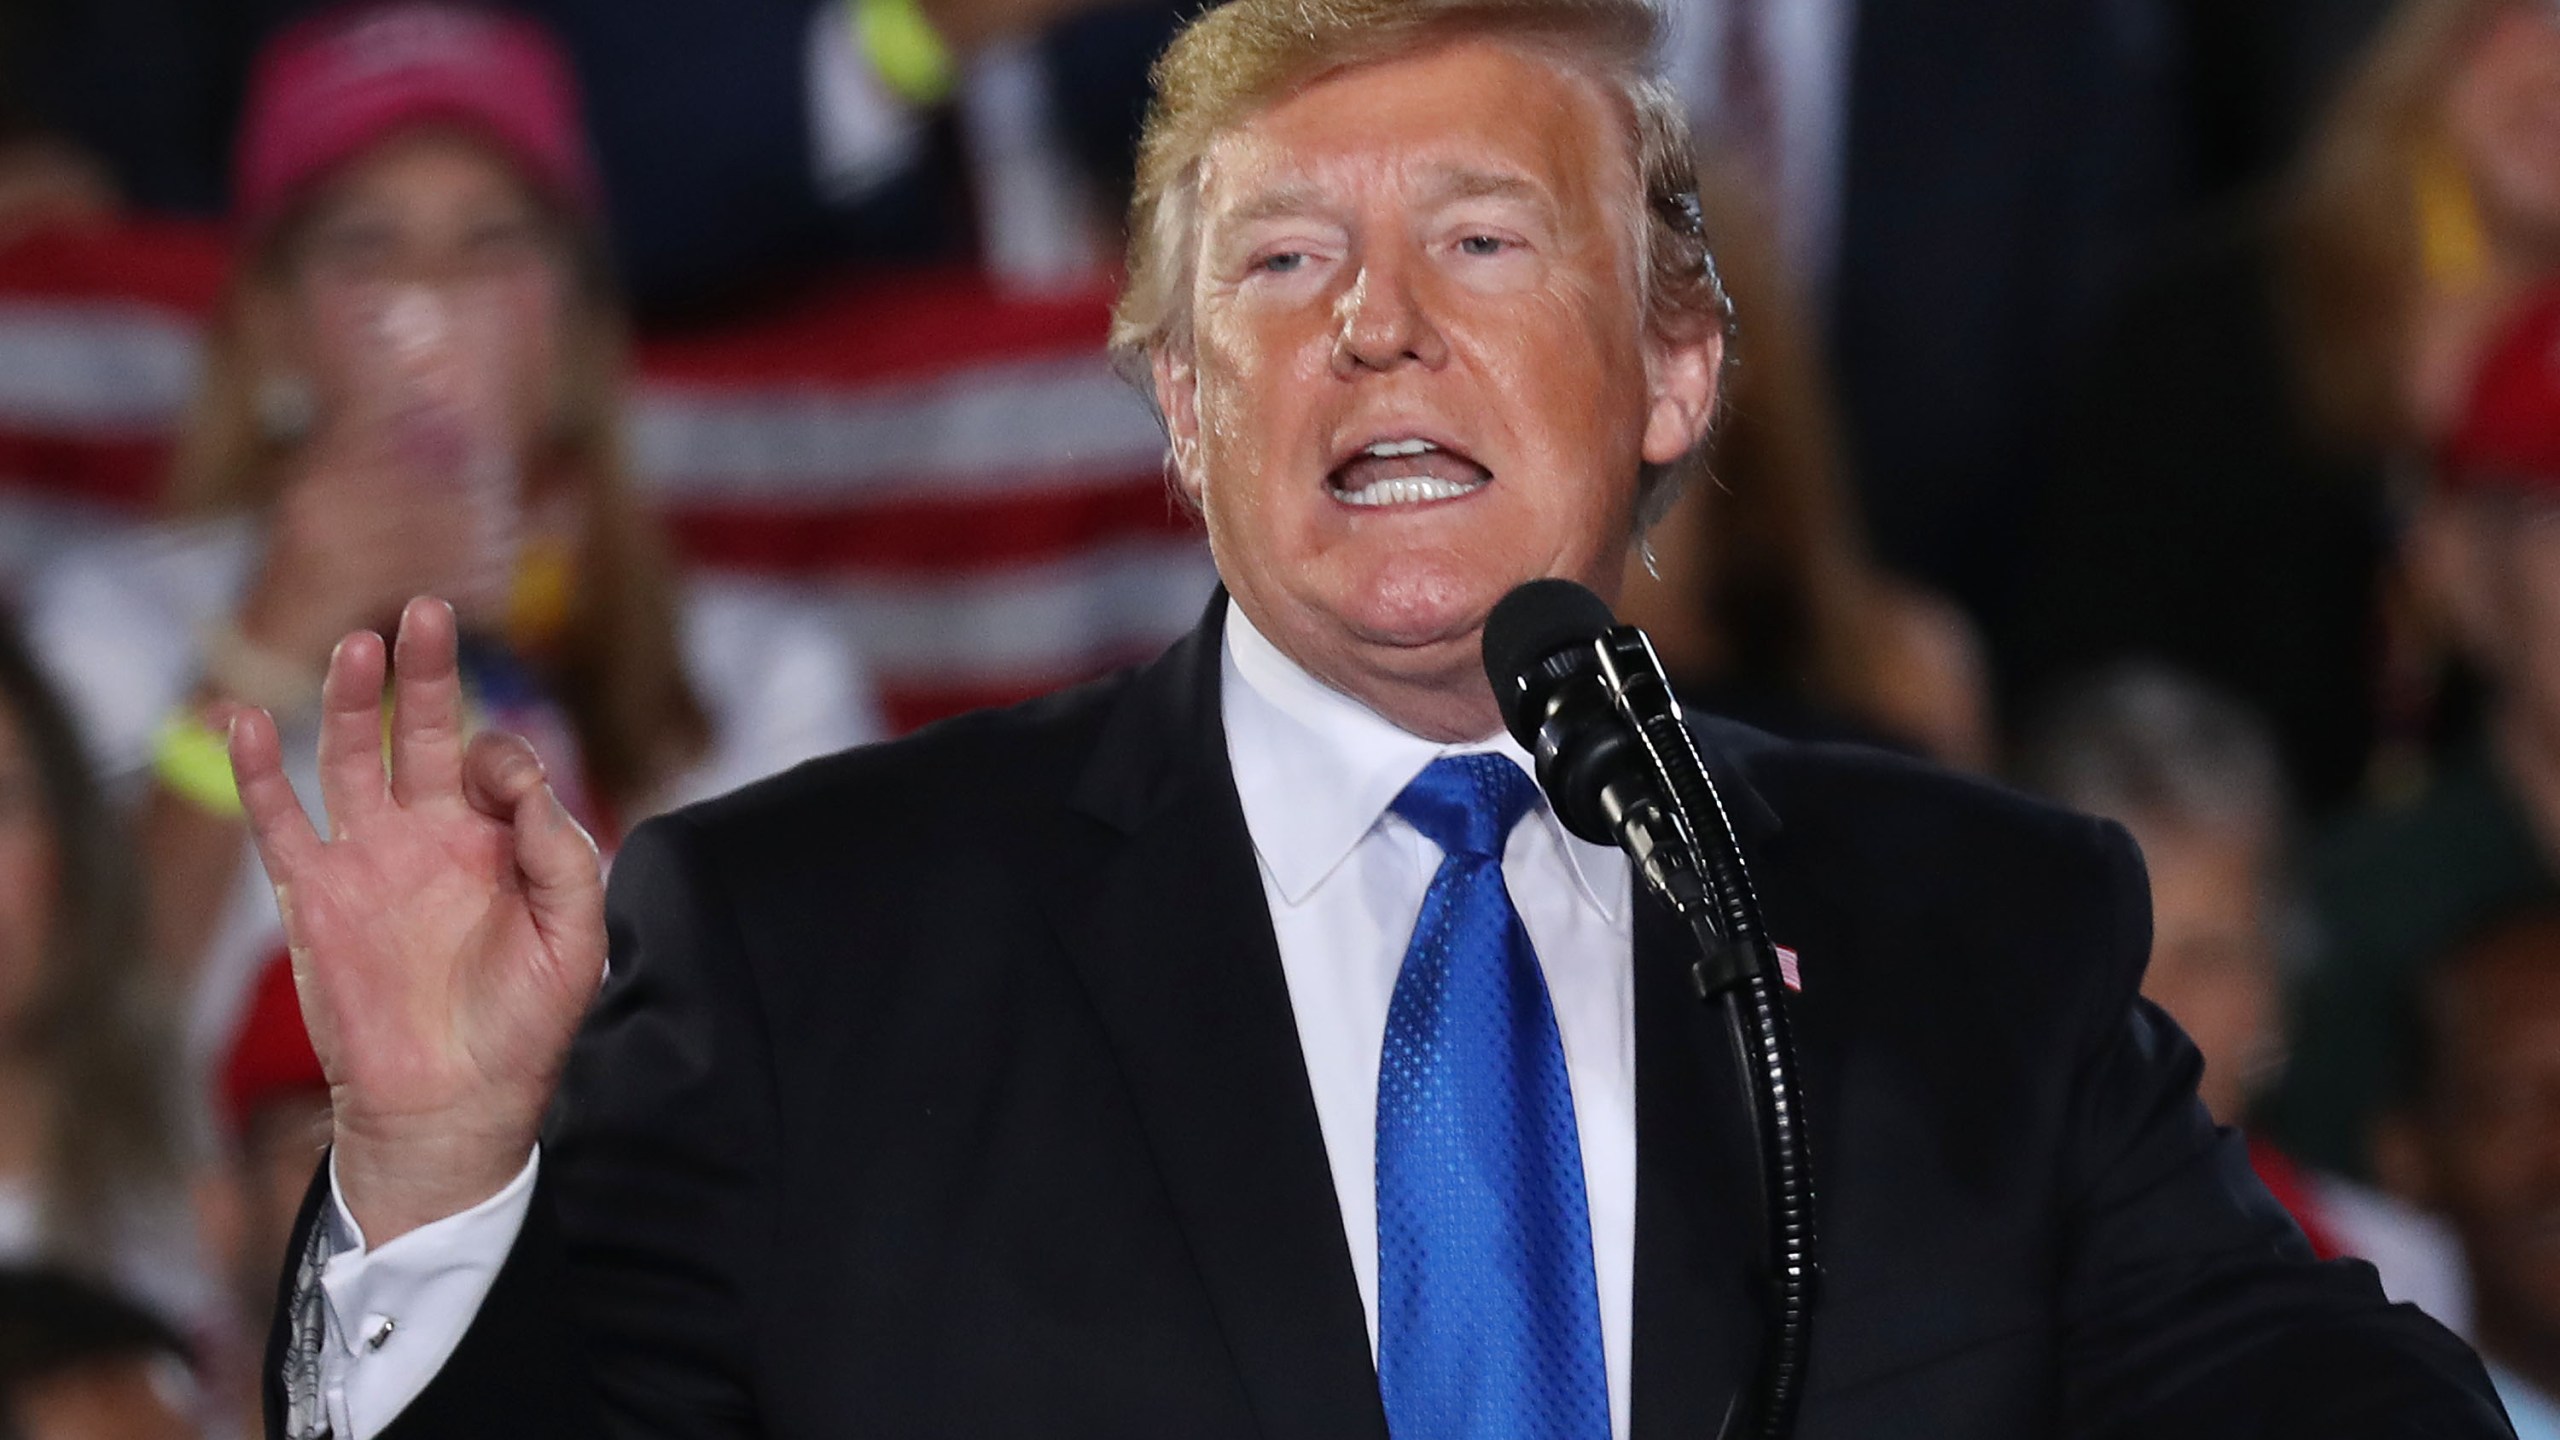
[{"x": 951, "y": 477}]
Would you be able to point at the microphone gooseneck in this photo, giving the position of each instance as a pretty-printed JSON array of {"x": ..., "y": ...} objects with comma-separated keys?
[{"x": 1587, "y": 698}]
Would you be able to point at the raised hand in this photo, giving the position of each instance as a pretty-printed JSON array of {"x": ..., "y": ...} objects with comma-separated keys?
[
  {"x": 357, "y": 531},
  {"x": 446, "y": 938}
]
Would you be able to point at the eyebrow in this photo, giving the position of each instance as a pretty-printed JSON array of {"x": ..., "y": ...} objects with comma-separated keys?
[
  {"x": 1445, "y": 185},
  {"x": 1272, "y": 204},
  {"x": 1465, "y": 184}
]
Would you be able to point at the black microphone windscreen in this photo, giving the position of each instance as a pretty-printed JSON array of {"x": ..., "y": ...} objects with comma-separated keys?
[{"x": 1533, "y": 622}]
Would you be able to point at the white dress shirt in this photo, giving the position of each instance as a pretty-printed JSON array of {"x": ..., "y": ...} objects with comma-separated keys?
[{"x": 1345, "y": 878}]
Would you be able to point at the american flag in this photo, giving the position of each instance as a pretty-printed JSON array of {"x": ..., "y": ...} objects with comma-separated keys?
[{"x": 949, "y": 473}]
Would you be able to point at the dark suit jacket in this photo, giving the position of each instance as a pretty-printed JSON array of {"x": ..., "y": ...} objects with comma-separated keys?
[{"x": 950, "y": 1088}]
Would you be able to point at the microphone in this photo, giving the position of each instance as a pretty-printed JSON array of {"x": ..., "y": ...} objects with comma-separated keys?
[
  {"x": 1547, "y": 653},
  {"x": 1586, "y": 696}
]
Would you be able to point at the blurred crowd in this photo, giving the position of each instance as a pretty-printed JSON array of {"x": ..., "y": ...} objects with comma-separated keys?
[{"x": 2154, "y": 404}]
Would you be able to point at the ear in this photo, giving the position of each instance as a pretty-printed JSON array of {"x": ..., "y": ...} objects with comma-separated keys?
[
  {"x": 1684, "y": 375},
  {"x": 1178, "y": 400}
]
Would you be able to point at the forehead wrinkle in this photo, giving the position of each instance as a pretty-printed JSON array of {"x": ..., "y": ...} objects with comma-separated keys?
[
  {"x": 1432, "y": 179},
  {"x": 1443, "y": 183},
  {"x": 1271, "y": 202}
]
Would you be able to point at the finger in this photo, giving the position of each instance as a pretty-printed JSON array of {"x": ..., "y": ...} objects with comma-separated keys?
[
  {"x": 277, "y": 821},
  {"x": 497, "y": 772},
  {"x": 563, "y": 875},
  {"x": 352, "y": 786},
  {"x": 426, "y": 706}
]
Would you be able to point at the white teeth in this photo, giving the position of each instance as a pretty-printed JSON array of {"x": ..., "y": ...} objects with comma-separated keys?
[
  {"x": 1408, "y": 490},
  {"x": 1391, "y": 449}
]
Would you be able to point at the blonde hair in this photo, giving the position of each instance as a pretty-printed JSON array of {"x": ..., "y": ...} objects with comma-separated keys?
[
  {"x": 2375, "y": 206},
  {"x": 617, "y": 663},
  {"x": 1244, "y": 55}
]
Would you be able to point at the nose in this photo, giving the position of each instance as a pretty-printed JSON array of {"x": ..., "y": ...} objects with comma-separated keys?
[{"x": 1382, "y": 322}]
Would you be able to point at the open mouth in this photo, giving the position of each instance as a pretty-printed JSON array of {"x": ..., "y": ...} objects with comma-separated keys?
[{"x": 1407, "y": 470}]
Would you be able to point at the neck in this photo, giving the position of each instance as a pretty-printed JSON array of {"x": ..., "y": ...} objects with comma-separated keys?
[
  {"x": 1433, "y": 713},
  {"x": 1447, "y": 702}
]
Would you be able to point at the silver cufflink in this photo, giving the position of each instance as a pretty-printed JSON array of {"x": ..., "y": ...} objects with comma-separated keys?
[{"x": 378, "y": 1331}]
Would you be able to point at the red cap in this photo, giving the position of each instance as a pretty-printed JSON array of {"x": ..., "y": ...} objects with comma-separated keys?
[
  {"x": 271, "y": 1055},
  {"x": 331, "y": 87},
  {"x": 2509, "y": 438}
]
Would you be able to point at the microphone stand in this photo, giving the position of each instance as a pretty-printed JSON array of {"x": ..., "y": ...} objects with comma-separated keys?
[{"x": 1737, "y": 964}]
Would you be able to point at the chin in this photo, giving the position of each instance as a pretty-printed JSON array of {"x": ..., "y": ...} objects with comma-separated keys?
[{"x": 1423, "y": 601}]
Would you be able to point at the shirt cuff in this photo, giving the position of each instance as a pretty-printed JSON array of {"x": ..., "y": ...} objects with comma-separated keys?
[
  {"x": 861, "y": 133},
  {"x": 395, "y": 1314}
]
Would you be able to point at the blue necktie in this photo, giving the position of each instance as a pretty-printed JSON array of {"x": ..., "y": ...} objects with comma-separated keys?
[{"x": 1488, "y": 1313}]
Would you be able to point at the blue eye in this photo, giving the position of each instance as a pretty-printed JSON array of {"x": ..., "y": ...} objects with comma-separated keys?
[
  {"x": 1282, "y": 263},
  {"x": 1482, "y": 245}
]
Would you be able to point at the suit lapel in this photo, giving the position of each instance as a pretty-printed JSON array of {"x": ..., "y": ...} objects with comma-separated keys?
[
  {"x": 1163, "y": 912},
  {"x": 1160, "y": 904}
]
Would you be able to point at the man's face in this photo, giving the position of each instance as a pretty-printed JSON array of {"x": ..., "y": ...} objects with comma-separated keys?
[
  {"x": 1419, "y": 373},
  {"x": 2492, "y": 1133},
  {"x": 2213, "y": 960}
]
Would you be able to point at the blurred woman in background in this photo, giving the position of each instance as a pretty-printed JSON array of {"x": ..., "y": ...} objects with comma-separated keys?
[
  {"x": 92, "y": 1161},
  {"x": 2241, "y": 451},
  {"x": 2423, "y": 212},
  {"x": 415, "y": 386},
  {"x": 1756, "y": 587}
]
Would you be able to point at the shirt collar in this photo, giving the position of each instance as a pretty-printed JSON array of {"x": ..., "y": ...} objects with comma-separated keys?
[{"x": 1315, "y": 769}]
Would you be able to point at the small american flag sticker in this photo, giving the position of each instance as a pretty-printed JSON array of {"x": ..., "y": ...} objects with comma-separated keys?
[{"x": 1787, "y": 970}]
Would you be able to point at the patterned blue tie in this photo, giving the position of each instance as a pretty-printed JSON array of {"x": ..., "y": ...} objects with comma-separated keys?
[{"x": 1488, "y": 1315}]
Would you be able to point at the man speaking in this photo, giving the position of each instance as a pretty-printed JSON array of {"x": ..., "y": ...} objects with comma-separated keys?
[{"x": 1240, "y": 1047}]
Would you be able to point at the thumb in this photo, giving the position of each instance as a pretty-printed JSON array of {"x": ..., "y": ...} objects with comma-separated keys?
[{"x": 563, "y": 880}]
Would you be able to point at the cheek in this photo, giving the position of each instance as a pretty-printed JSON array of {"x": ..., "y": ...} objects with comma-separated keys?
[
  {"x": 1252, "y": 399},
  {"x": 332, "y": 338},
  {"x": 2506, "y": 116},
  {"x": 534, "y": 326},
  {"x": 1555, "y": 362}
]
